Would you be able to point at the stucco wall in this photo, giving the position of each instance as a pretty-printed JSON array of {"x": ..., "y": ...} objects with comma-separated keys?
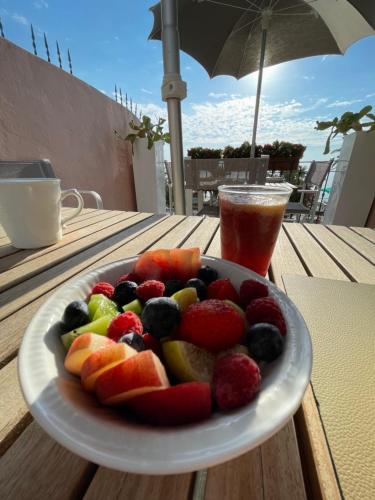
[{"x": 47, "y": 113}]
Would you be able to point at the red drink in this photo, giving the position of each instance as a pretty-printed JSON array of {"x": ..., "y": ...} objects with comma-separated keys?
[{"x": 250, "y": 220}]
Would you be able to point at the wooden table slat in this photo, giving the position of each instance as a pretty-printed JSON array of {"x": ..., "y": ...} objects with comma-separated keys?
[
  {"x": 284, "y": 260},
  {"x": 36, "y": 466},
  {"x": 312, "y": 254},
  {"x": 366, "y": 232},
  {"x": 109, "y": 484},
  {"x": 179, "y": 233},
  {"x": 353, "y": 264},
  {"x": 203, "y": 234},
  {"x": 357, "y": 242},
  {"x": 14, "y": 415}
]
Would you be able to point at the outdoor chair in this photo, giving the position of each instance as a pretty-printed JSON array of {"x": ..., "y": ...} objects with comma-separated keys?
[
  {"x": 307, "y": 206},
  {"x": 208, "y": 174},
  {"x": 37, "y": 169}
]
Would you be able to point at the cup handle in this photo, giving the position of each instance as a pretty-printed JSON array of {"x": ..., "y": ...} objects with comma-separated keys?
[{"x": 75, "y": 193}]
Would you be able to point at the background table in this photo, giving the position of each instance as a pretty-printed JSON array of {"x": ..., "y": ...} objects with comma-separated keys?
[{"x": 294, "y": 464}]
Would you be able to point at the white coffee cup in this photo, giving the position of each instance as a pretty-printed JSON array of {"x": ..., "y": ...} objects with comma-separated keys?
[{"x": 30, "y": 211}]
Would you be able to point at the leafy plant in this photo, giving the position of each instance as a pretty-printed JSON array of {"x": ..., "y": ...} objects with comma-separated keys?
[
  {"x": 200, "y": 153},
  {"x": 153, "y": 132},
  {"x": 348, "y": 121},
  {"x": 275, "y": 150}
]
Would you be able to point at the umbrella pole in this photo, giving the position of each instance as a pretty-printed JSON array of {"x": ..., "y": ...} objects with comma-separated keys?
[
  {"x": 173, "y": 90},
  {"x": 259, "y": 87}
]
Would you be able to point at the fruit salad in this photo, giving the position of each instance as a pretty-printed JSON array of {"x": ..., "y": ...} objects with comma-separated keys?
[{"x": 172, "y": 341}]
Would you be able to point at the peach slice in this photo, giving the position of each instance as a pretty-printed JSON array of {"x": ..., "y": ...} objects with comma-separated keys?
[
  {"x": 100, "y": 361},
  {"x": 82, "y": 347},
  {"x": 137, "y": 375}
]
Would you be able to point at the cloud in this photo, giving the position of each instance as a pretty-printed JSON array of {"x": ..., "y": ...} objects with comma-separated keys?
[
  {"x": 308, "y": 78},
  {"x": 188, "y": 68},
  {"x": 323, "y": 58},
  {"x": 217, "y": 95},
  {"x": 103, "y": 91},
  {"x": 337, "y": 104},
  {"x": 146, "y": 91},
  {"x": 20, "y": 19},
  {"x": 116, "y": 37},
  {"x": 40, "y": 4},
  {"x": 288, "y": 120},
  {"x": 370, "y": 95}
]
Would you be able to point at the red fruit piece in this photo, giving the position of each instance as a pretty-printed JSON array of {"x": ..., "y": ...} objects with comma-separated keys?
[
  {"x": 152, "y": 343},
  {"x": 124, "y": 323},
  {"x": 236, "y": 380},
  {"x": 250, "y": 290},
  {"x": 222, "y": 289},
  {"x": 266, "y": 310},
  {"x": 104, "y": 288},
  {"x": 162, "y": 265},
  {"x": 180, "y": 404},
  {"x": 185, "y": 263},
  {"x": 129, "y": 277},
  {"x": 212, "y": 324},
  {"x": 150, "y": 289}
]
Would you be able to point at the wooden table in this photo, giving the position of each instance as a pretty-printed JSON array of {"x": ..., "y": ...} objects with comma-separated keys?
[{"x": 294, "y": 464}]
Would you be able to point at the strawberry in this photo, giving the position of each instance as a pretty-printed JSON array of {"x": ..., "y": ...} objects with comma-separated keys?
[
  {"x": 152, "y": 343},
  {"x": 213, "y": 325},
  {"x": 181, "y": 404},
  {"x": 104, "y": 288},
  {"x": 236, "y": 380},
  {"x": 266, "y": 310},
  {"x": 250, "y": 290},
  {"x": 222, "y": 289},
  {"x": 124, "y": 323},
  {"x": 150, "y": 289}
]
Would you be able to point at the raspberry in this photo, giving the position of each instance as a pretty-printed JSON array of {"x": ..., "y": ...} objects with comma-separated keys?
[
  {"x": 236, "y": 380},
  {"x": 213, "y": 325},
  {"x": 124, "y": 323},
  {"x": 266, "y": 310},
  {"x": 150, "y": 289},
  {"x": 129, "y": 277},
  {"x": 103, "y": 288},
  {"x": 250, "y": 290},
  {"x": 222, "y": 289}
]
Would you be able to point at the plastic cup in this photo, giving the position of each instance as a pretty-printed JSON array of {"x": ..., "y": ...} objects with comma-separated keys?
[{"x": 250, "y": 221}]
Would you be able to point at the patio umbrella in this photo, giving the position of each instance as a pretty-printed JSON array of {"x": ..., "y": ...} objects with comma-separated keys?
[{"x": 238, "y": 37}]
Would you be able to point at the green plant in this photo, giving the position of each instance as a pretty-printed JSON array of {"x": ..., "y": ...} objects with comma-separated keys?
[
  {"x": 348, "y": 121},
  {"x": 153, "y": 132},
  {"x": 204, "y": 153}
]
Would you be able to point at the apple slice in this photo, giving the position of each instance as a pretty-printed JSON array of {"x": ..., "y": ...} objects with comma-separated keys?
[
  {"x": 100, "y": 361},
  {"x": 180, "y": 404},
  {"x": 82, "y": 347},
  {"x": 137, "y": 375}
]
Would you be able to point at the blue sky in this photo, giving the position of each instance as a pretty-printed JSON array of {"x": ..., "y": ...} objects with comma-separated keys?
[{"x": 108, "y": 43}]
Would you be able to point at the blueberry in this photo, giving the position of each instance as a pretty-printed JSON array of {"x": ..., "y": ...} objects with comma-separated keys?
[
  {"x": 134, "y": 340},
  {"x": 207, "y": 274},
  {"x": 264, "y": 341},
  {"x": 200, "y": 287},
  {"x": 173, "y": 286},
  {"x": 76, "y": 314},
  {"x": 125, "y": 292},
  {"x": 160, "y": 316}
]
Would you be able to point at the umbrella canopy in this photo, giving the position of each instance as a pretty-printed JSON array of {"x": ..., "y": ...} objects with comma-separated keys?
[
  {"x": 225, "y": 36},
  {"x": 238, "y": 37}
]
